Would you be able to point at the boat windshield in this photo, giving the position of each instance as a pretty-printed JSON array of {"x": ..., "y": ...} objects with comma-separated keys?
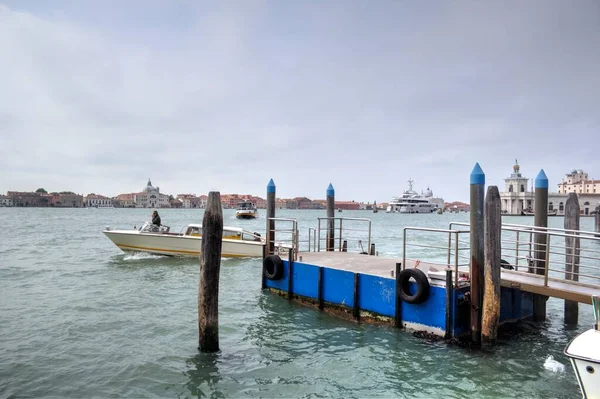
[{"x": 245, "y": 205}]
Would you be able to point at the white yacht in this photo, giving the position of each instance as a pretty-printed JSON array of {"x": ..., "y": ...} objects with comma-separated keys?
[
  {"x": 584, "y": 353},
  {"x": 412, "y": 202}
]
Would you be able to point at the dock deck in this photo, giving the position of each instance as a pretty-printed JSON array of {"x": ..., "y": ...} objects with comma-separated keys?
[{"x": 384, "y": 267}]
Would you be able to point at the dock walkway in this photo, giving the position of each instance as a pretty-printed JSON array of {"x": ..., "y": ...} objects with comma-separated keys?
[{"x": 384, "y": 267}]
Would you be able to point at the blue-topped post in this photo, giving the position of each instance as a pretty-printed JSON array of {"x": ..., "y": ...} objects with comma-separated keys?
[
  {"x": 477, "y": 255},
  {"x": 270, "y": 214},
  {"x": 330, "y": 221},
  {"x": 540, "y": 219}
]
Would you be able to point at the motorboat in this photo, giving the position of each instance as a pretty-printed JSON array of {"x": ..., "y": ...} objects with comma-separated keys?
[
  {"x": 159, "y": 240},
  {"x": 246, "y": 210},
  {"x": 412, "y": 202},
  {"x": 529, "y": 212},
  {"x": 584, "y": 353}
]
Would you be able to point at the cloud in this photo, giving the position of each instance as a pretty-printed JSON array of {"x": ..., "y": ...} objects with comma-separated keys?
[{"x": 198, "y": 96}]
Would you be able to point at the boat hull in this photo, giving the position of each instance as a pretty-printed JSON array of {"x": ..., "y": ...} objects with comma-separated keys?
[{"x": 179, "y": 245}]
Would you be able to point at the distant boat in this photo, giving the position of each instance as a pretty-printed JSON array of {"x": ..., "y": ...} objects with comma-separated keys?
[
  {"x": 529, "y": 212},
  {"x": 246, "y": 210},
  {"x": 339, "y": 209},
  {"x": 411, "y": 202}
]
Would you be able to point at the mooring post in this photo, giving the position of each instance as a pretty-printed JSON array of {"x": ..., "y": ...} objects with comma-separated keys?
[
  {"x": 210, "y": 263},
  {"x": 398, "y": 310},
  {"x": 270, "y": 214},
  {"x": 345, "y": 246},
  {"x": 330, "y": 214},
  {"x": 372, "y": 250},
  {"x": 540, "y": 240},
  {"x": 572, "y": 254},
  {"x": 493, "y": 251},
  {"x": 477, "y": 257}
]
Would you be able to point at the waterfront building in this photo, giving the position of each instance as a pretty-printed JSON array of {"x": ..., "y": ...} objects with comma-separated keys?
[
  {"x": 5, "y": 200},
  {"x": 516, "y": 197},
  {"x": 151, "y": 197},
  {"x": 97, "y": 201},
  {"x": 578, "y": 182},
  {"x": 125, "y": 200}
]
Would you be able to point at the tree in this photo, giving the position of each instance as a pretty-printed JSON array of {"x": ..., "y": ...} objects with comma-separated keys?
[{"x": 41, "y": 191}]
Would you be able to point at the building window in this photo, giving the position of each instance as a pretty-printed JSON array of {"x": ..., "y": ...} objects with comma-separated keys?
[
  {"x": 550, "y": 206},
  {"x": 510, "y": 190},
  {"x": 561, "y": 207},
  {"x": 522, "y": 188}
]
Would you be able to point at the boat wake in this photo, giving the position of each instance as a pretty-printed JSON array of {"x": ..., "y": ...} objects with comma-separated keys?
[
  {"x": 135, "y": 256},
  {"x": 553, "y": 365}
]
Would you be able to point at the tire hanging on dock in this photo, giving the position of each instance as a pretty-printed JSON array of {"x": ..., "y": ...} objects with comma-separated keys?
[
  {"x": 422, "y": 286},
  {"x": 273, "y": 267}
]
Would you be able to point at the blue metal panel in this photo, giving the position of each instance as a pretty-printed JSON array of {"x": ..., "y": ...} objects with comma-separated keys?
[
  {"x": 377, "y": 294},
  {"x": 305, "y": 280},
  {"x": 432, "y": 312},
  {"x": 507, "y": 305},
  {"x": 338, "y": 287},
  {"x": 280, "y": 284}
]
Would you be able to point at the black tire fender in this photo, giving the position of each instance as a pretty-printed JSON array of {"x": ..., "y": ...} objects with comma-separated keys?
[
  {"x": 422, "y": 286},
  {"x": 273, "y": 267}
]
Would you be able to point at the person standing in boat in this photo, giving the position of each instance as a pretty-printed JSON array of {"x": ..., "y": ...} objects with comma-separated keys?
[{"x": 155, "y": 219}]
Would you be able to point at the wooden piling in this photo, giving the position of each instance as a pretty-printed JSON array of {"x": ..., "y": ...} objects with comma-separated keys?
[
  {"x": 493, "y": 250},
  {"x": 477, "y": 179},
  {"x": 540, "y": 240},
  {"x": 270, "y": 214},
  {"x": 572, "y": 254},
  {"x": 345, "y": 246},
  {"x": 372, "y": 250},
  {"x": 210, "y": 263},
  {"x": 330, "y": 194}
]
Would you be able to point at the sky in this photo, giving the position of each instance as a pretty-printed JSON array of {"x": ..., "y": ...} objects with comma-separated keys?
[{"x": 99, "y": 96}]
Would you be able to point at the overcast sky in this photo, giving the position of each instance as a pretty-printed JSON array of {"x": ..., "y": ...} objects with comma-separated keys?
[{"x": 99, "y": 96}]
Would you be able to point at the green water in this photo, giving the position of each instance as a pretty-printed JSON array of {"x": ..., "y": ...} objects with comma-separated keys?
[{"x": 79, "y": 318}]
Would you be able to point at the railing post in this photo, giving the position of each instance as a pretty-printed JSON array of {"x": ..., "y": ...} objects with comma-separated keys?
[
  {"x": 340, "y": 239},
  {"x": 517, "y": 253},
  {"x": 330, "y": 194},
  {"x": 270, "y": 215},
  {"x": 477, "y": 179},
  {"x": 404, "y": 248},
  {"x": 572, "y": 254}
]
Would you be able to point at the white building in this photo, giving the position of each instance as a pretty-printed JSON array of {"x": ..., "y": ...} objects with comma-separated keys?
[
  {"x": 151, "y": 198},
  {"x": 97, "y": 201},
  {"x": 578, "y": 182},
  {"x": 516, "y": 197},
  {"x": 6, "y": 201}
]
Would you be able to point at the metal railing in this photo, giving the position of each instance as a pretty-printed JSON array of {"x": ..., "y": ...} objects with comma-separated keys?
[
  {"x": 344, "y": 230},
  {"x": 285, "y": 237},
  {"x": 554, "y": 253},
  {"x": 444, "y": 246}
]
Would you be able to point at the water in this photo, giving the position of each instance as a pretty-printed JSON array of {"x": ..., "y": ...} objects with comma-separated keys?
[{"x": 78, "y": 318}]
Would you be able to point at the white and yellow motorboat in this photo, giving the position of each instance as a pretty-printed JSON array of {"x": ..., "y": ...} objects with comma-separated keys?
[{"x": 158, "y": 240}]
